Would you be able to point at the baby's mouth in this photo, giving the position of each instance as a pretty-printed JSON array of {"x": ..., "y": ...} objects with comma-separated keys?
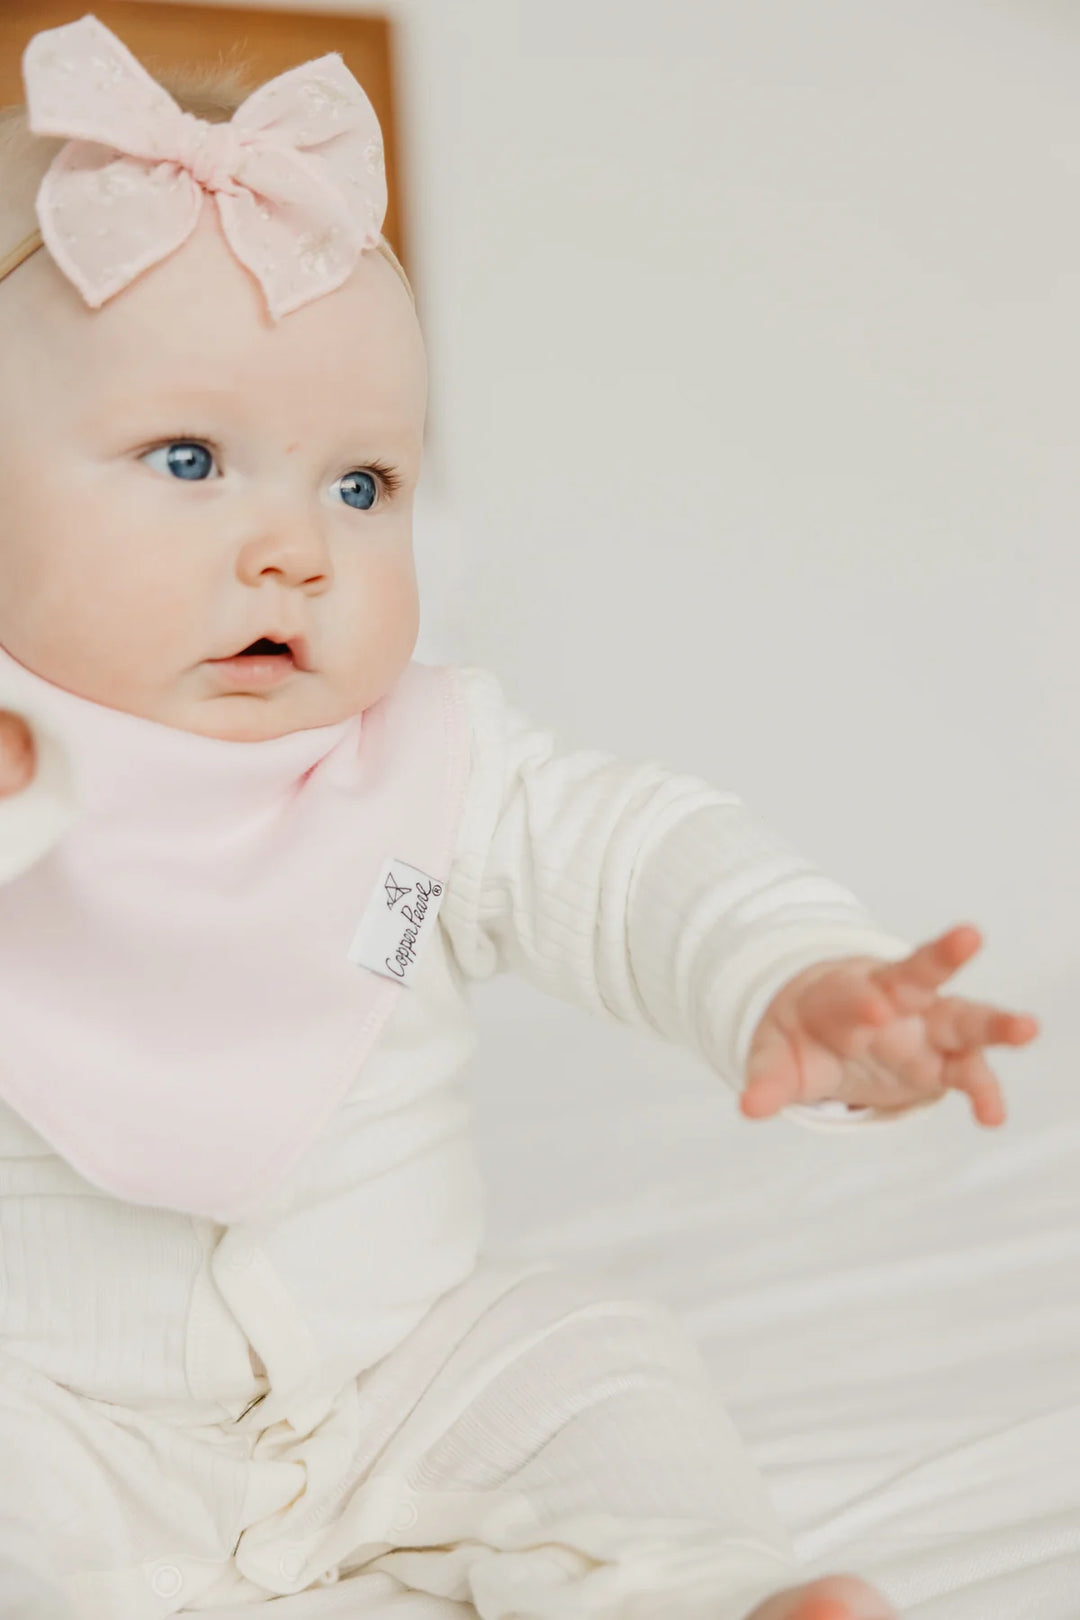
[
  {"x": 275, "y": 648},
  {"x": 293, "y": 652},
  {"x": 262, "y": 664}
]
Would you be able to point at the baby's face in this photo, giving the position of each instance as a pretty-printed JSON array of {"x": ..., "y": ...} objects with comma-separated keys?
[{"x": 179, "y": 477}]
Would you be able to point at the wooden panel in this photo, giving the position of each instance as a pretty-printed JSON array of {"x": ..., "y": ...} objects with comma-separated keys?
[{"x": 260, "y": 43}]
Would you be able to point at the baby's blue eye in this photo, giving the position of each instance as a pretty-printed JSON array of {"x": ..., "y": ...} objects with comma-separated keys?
[
  {"x": 190, "y": 459},
  {"x": 185, "y": 458},
  {"x": 359, "y": 490}
]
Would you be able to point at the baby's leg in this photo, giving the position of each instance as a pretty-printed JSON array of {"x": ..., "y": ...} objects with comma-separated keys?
[
  {"x": 571, "y": 1460},
  {"x": 104, "y": 1512},
  {"x": 43, "y": 1511}
]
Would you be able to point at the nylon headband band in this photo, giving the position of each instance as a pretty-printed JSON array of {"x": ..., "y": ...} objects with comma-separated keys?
[{"x": 11, "y": 261}]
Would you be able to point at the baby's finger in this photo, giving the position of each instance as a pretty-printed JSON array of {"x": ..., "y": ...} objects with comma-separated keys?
[
  {"x": 970, "y": 1073},
  {"x": 956, "y": 1025},
  {"x": 773, "y": 1078},
  {"x": 908, "y": 983}
]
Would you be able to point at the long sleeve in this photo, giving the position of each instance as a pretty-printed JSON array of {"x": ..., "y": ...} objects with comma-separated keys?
[
  {"x": 637, "y": 893},
  {"x": 32, "y": 820}
]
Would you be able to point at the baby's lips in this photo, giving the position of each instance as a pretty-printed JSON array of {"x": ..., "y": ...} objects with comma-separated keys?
[{"x": 18, "y": 755}]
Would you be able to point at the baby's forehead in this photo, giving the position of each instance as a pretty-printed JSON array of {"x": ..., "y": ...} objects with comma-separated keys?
[{"x": 193, "y": 334}]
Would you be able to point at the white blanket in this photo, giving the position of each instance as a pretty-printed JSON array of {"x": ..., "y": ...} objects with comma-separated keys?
[{"x": 892, "y": 1315}]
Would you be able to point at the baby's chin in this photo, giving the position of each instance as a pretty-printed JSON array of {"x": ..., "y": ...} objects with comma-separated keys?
[
  {"x": 201, "y": 703},
  {"x": 239, "y": 716},
  {"x": 246, "y": 719}
]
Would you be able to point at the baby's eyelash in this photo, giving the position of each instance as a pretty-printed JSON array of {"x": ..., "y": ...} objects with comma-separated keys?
[
  {"x": 391, "y": 479},
  {"x": 188, "y": 438},
  {"x": 389, "y": 476}
]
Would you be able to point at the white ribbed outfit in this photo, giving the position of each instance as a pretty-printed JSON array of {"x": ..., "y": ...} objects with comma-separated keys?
[{"x": 342, "y": 1398}]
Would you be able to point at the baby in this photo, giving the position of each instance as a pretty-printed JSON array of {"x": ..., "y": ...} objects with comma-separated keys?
[{"x": 252, "y": 856}]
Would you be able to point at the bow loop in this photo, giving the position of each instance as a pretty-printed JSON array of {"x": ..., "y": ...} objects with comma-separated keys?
[
  {"x": 81, "y": 81},
  {"x": 297, "y": 174}
]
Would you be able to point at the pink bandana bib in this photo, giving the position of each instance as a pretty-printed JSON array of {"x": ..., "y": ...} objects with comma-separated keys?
[{"x": 192, "y": 977}]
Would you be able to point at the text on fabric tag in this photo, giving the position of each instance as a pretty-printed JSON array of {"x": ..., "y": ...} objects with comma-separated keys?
[{"x": 398, "y": 919}]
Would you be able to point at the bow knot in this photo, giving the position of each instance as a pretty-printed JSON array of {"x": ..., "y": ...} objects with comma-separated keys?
[
  {"x": 297, "y": 174},
  {"x": 211, "y": 152}
]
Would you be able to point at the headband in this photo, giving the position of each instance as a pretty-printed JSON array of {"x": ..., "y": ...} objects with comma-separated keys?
[
  {"x": 11, "y": 261},
  {"x": 297, "y": 174}
]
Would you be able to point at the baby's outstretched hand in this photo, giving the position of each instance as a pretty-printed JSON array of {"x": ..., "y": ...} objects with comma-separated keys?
[
  {"x": 878, "y": 1034},
  {"x": 17, "y": 754}
]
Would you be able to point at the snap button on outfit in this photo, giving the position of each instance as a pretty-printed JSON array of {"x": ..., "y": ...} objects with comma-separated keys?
[
  {"x": 291, "y": 1564},
  {"x": 405, "y": 1516},
  {"x": 167, "y": 1581},
  {"x": 330, "y": 1577}
]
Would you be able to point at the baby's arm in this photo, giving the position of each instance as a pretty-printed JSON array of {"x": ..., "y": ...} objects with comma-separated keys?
[{"x": 637, "y": 893}]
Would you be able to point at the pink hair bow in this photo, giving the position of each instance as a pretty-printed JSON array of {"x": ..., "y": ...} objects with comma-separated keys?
[{"x": 297, "y": 174}]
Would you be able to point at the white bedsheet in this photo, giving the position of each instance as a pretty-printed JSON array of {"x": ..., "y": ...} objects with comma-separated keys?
[{"x": 893, "y": 1317}]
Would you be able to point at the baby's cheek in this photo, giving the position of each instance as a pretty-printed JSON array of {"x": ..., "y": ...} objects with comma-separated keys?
[{"x": 390, "y": 609}]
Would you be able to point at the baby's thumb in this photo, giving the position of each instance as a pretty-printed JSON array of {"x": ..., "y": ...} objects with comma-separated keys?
[{"x": 18, "y": 755}]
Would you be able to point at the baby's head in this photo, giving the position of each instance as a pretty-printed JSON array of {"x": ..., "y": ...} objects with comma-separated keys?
[{"x": 181, "y": 476}]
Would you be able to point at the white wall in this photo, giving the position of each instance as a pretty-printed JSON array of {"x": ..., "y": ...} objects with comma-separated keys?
[{"x": 754, "y": 344}]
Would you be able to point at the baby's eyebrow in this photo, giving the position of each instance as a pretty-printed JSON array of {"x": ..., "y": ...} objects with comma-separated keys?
[{"x": 383, "y": 424}]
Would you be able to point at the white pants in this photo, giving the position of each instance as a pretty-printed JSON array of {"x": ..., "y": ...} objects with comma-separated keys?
[{"x": 536, "y": 1449}]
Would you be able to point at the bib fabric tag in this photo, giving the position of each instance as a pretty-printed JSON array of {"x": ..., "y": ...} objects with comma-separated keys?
[{"x": 399, "y": 917}]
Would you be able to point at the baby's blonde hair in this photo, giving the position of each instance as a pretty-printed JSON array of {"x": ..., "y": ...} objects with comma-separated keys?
[{"x": 213, "y": 93}]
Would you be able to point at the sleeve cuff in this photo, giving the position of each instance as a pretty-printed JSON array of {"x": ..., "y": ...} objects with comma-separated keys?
[{"x": 833, "y": 1115}]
